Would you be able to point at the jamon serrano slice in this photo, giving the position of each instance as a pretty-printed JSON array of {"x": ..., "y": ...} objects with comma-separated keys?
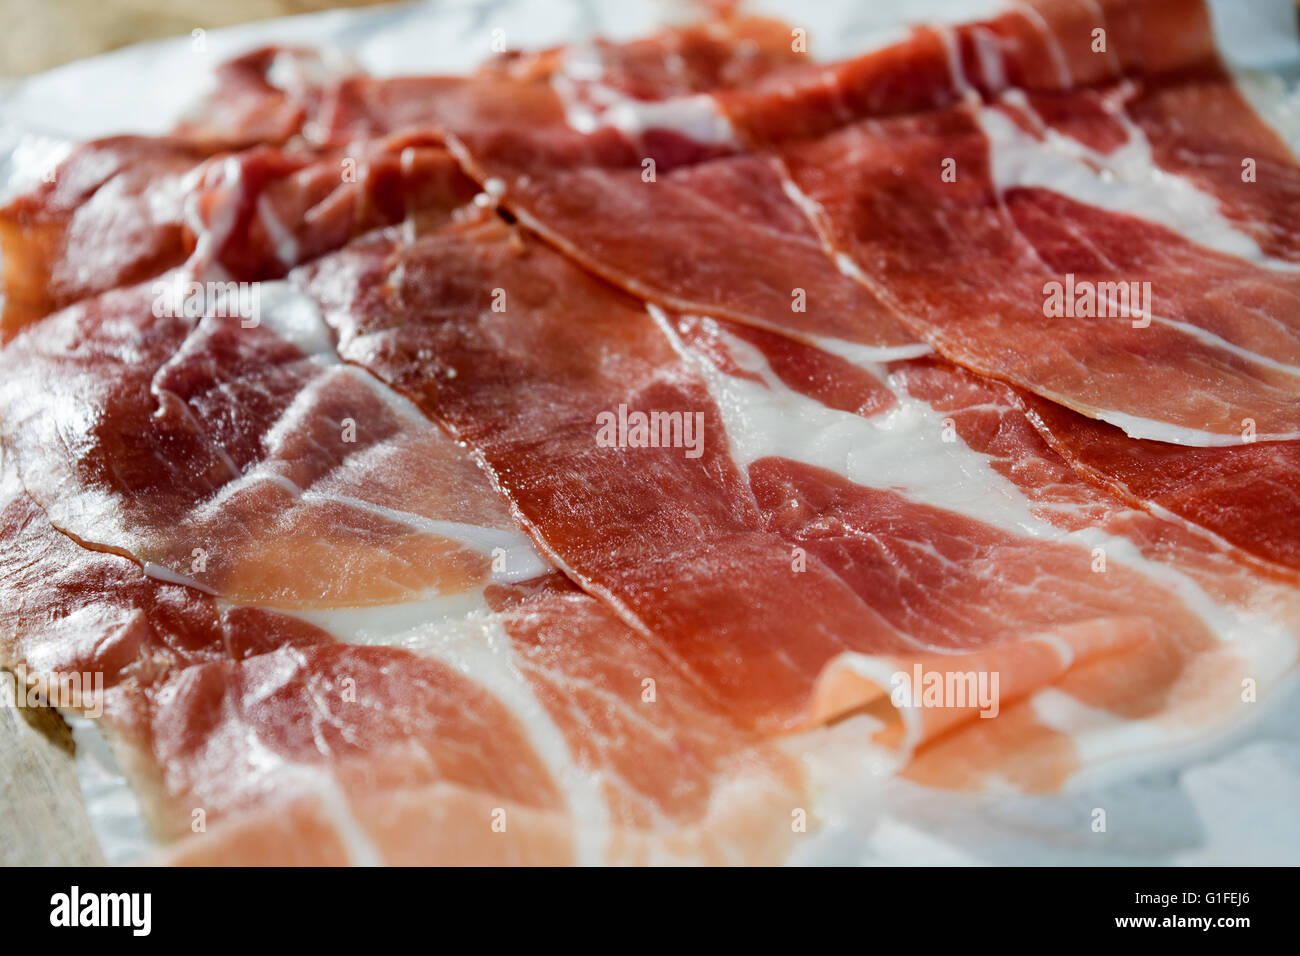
[
  {"x": 583, "y": 79},
  {"x": 1109, "y": 118},
  {"x": 717, "y": 54},
  {"x": 1040, "y": 171},
  {"x": 267, "y": 96},
  {"x": 209, "y": 451},
  {"x": 1207, "y": 353},
  {"x": 280, "y": 744},
  {"x": 640, "y": 189},
  {"x": 1170, "y": 148},
  {"x": 965, "y": 258},
  {"x": 112, "y": 216},
  {"x": 1248, "y": 496},
  {"x": 636, "y": 777},
  {"x": 1258, "y": 617},
  {"x": 259, "y": 213},
  {"x": 292, "y": 579},
  {"x": 661, "y": 237},
  {"x": 956, "y": 442},
  {"x": 442, "y": 710},
  {"x": 841, "y": 505},
  {"x": 524, "y": 387},
  {"x": 281, "y": 95},
  {"x": 130, "y": 208}
]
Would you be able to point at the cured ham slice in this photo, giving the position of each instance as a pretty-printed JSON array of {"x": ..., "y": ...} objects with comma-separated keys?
[
  {"x": 69, "y": 609},
  {"x": 210, "y": 451},
  {"x": 1150, "y": 139},
  {"x": 1204, "y": 355},
  {"x": 1023, "y": 209},
  {"x": 588, "y": 195},
  {"x": 994, "y": 457},
  {"x": 1007, "y": 427},
  {"x": 123, "y": 210},
  {"x": 785, "y": 503},
  {"x": 267, "y": 96},
  {"x": 246, "y": 721},
  {"x": 578, "y": 733},
  {"x": 536, "y": 89},
  {"x": 992, "y": 419},
  {"x": 261, "y": 212},
  {"x": 1247, "y": 496},
  {"x": 969, "y": 259},
  {"x": 204, "y": 430},
  {"x": 551, "y": 523},
  {"x": 113, "y": 215},
  {"x": 120, "y": 210},
  {"x": 480, "y": 372},
  {"x": 643, "y": 202},
  {"x": 476, "y": 386},
  {"x": 279, "y": 95},
  {"x": 720, "y": 54}
]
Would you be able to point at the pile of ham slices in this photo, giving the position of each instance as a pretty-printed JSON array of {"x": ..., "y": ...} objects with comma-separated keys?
[{"x": 368, "y": 581}]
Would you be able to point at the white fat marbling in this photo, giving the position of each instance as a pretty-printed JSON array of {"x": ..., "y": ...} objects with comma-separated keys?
[
  {"x": 589, "y": 105},
  {"x": 167, "y": 576},
  {"x": 902, "y": 449},
  {"x": 296, "y": 318},
  {"x": 871, "y": 355},
  {"x": 225, "y": 174},
  {"x": 475, "y": 644},
  {"x": 1126, "y": 180}
]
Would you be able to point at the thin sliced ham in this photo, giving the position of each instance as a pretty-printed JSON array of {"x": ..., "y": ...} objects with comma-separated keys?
[
  {"x": 258, "y": 213},
  {"x": 209, "y": 451},
  {"x": 114, "y": 214},
  {"x": 267, "y": 96},
  {"x": 659, "y": 237},
  {"x": 190, "y": 685},
  {"x": 235, "y": 722},
  {"x": 968, "y": 213},
  {"x": 602, "y": 189},
  {"x": 125, "y": 209},
  {"x": 434, "y": 336},
  {"x": 406, "y": 741},
  {"x": 514, "y": 527},
  {"x": 1197, "y": 693},
  {"x": 350, "y": 718},
  {"x": 1248, "y": 496},
  {"x": 798, "y": 497},
  {"x": 1203, "y": 352},
  {"x": 970, "y": 450},
  {"x": 720, "y": 54},
  {"x": 865, "y": 146}
]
